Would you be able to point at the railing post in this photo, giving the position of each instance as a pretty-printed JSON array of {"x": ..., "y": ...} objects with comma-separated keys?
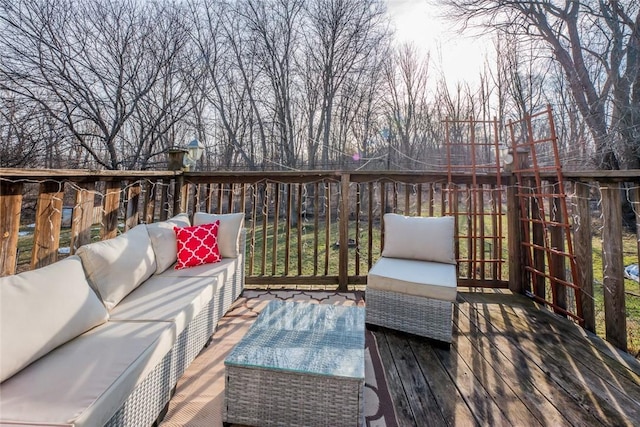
[
  {"x": 10, "y": 206},
  {"x": 613, "y": 267},
  {"x": 164, "y": 200},
  {"x": 584, "y": 254},
  {"x": 149, "y": 202},
  {"x": 343, "y": 271},
  {"x": 82, "y": 216},
  {"x": 176, "y": 163},
  {"x": 180, "y": 191},
  {"x": 539, "y": 285},
  {"x": 111, "y": 206},
  {"x": 558, "y": 267},
  {"x": 46, "y": 236},
  {"x": 515, "y": 239},
  {"x": 517, "y": 274},
  {"x": 133, "y": 203}
]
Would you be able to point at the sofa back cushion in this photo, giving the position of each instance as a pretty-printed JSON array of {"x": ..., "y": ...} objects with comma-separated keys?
[
  {"x": 163, "y": 240},
  {"x": 43, "y": 309},
  {"x": 117, "y": 266},
  {"x": 229, "y": 232},
  {"x": 419, "y": 238}
]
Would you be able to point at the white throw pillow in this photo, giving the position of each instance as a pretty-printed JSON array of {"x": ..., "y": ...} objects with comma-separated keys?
[
  {"x": 43, "y": 309},
  {"x": 117, "y": 266},
  {"x": 229, "y": 232},
  {"x": 420, "y": 238},
  {"x": 163, "y": 240}
]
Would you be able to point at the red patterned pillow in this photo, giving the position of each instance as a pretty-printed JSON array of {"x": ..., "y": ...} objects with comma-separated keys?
[{"x": 197, "y": 245}]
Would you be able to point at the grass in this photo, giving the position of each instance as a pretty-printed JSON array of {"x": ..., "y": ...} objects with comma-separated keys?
[
  {"x": 327, "y": 248},
  {"x": 25, "y": 243},
  {"x": 630, "y": 254}
]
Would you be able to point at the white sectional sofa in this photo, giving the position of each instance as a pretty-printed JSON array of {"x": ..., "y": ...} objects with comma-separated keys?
[{"x": 102, "y": 337}]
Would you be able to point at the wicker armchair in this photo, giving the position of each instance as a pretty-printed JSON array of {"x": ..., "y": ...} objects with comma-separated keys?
[{"x": 412, "y": 287}]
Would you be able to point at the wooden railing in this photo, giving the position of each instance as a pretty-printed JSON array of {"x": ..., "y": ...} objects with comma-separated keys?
[{"x": 325, "y": 228}]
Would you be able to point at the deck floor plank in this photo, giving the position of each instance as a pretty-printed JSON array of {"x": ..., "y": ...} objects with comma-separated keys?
[
  {"x": 419, "y": 395},
  {"x": 453, "y": 406},
  {"x": 579, "y": 347},
  {"x": 506, "y": 383},
  {"x": 576, "y": 373},
  {"x": 552, "y": 404},
  {"x": 404, "y": 413},
  {"x": 484, "y": 407}
]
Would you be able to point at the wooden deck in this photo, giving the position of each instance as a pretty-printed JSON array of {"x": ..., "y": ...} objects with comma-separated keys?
[{"x": 510, "y": 363}]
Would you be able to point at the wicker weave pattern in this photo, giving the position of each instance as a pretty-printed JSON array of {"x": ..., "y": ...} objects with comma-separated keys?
[
  {"x": 408, "y": 313},
  {"x": 298, "y": 365},
  {"x": 191, "y": 341},
  {"x": 144, "y": 405},
  {"x": 274, "y": 398},
  {"x": 232, "y": 288}
]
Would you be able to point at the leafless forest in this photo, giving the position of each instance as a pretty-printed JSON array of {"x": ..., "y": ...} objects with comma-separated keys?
[{"x": 303, "y": 84}]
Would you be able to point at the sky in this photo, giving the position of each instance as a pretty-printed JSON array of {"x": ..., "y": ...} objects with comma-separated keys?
[{"x": 459, "y": 57}]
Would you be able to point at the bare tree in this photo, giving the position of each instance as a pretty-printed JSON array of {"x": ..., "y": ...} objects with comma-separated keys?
[
  {"x": 339, "y": 37},
  {"x": 273, "y": 27},
  {"x": 90, "y": 65},
  {"x": 407, "y": 106},
  {"x": 597, "y": 44},
  {"x": 23, "y": 129}
]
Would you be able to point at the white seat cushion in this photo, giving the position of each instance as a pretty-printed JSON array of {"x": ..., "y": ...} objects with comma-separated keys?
[
  {"x": 225, "y": 267},
  {"x": 229, "y": 232},
  {"x": 117, "y": 266},
  {"x": 42, "y": 309},
  {"x": 420, "y": 278},
  {"x": 163, "y": 240},
  {"x": 170, "y": 299},
  {"x": 85, "y": 381},
  {"x": 420, "y": 238}
]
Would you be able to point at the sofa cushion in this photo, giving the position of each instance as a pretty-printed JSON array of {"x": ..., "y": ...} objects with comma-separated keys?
[
  {"x": 225, "y": 267},
  {"x": 419, "y": 238},
  {"x": 229, "y": 233},
  {"x": 117, "y": 266},
  {"x": 85, "y": 381},
  {"x": 42, "y": 309},
  {"x": 163, "y": 240},
  {"x": 230, "y": 277},
  {"x": 169, "y": 299},
  {"x": 197, "y": 245},
  {"x": 420, "y": 278}
]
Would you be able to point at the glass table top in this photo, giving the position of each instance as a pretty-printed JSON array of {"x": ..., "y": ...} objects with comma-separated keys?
[{"x": 318, "y": 339}]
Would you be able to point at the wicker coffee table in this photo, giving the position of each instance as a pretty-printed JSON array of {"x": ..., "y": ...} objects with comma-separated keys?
[{"x": 299, "y": 364}]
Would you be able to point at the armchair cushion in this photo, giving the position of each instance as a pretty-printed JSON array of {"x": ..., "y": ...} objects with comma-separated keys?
[
  {"x": 425, "y": 279},
  {"x": 419, "y": 238}
]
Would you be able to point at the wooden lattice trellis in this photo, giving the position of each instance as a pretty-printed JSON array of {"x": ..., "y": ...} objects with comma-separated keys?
[
  {"x": 473, "y": 147},
  {"x": 547, "y": 246}
]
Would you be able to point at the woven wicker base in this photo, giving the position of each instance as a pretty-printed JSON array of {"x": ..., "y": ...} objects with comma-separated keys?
[
  {"x": 147, "y": 402},
  {"x": 426, "y": 317},
  {"x": 263, "y": 397}
]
